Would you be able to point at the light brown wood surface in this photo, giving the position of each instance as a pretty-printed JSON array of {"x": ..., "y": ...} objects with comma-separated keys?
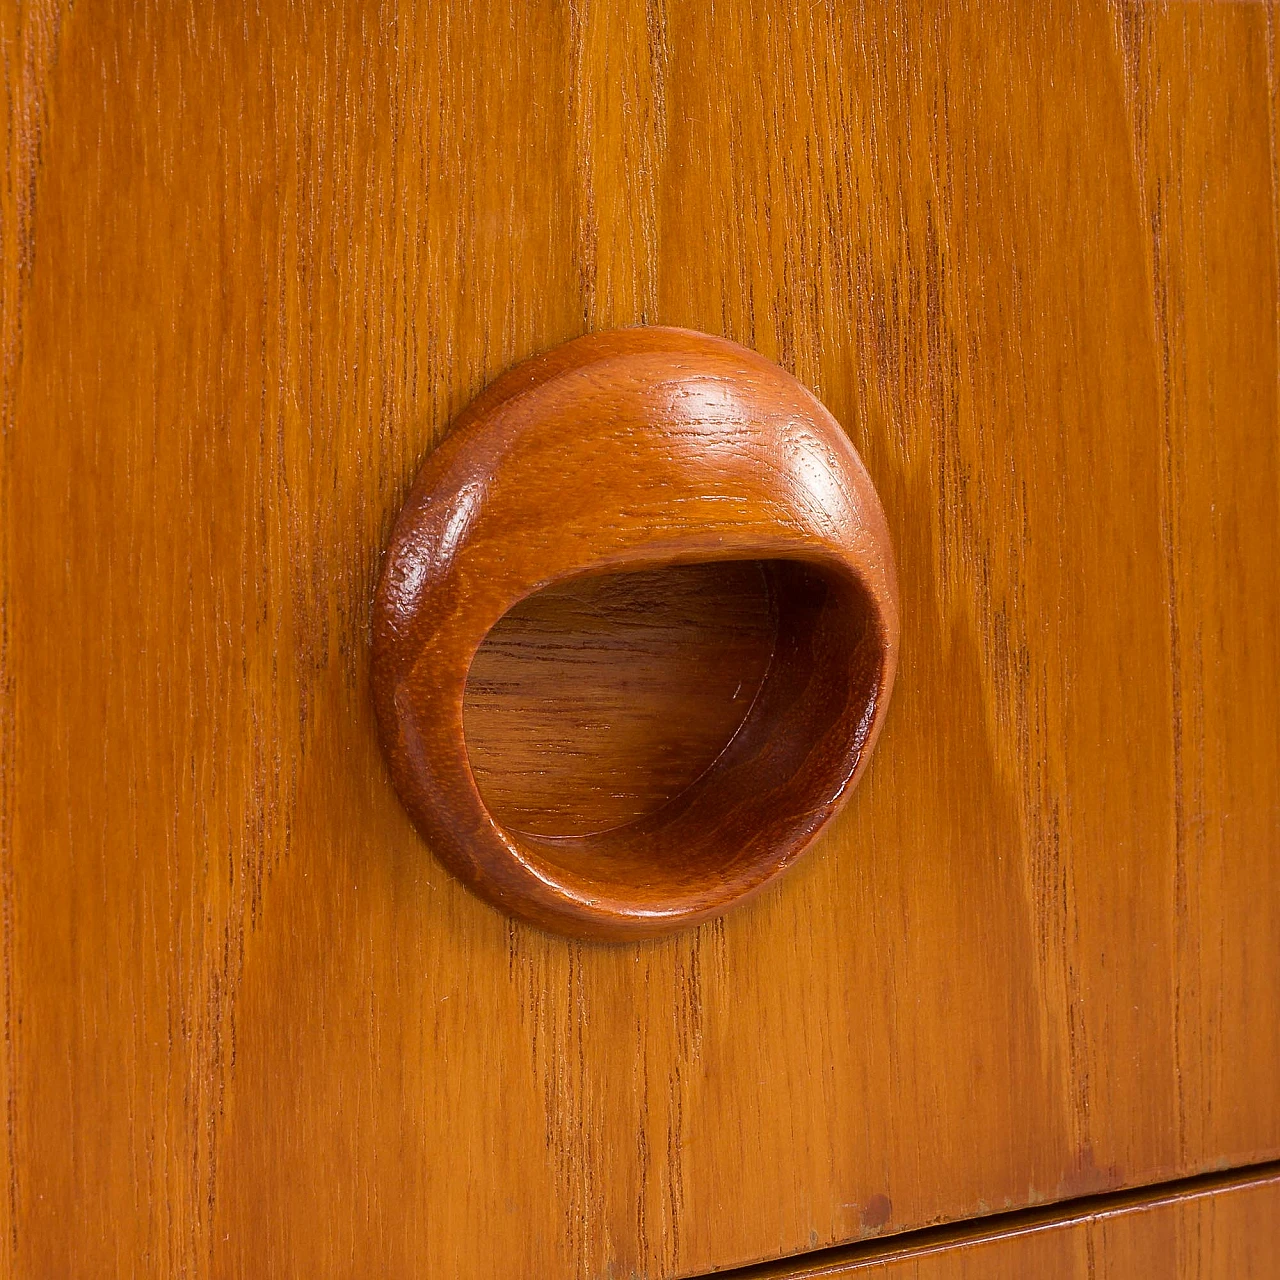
[
  {"x": 1226, "y": 1230},
  {"x": 255, "y": 260}
]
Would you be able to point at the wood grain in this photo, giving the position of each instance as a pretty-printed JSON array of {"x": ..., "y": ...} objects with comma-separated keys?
[
  {"x": 257, "y": 258},
  {"x": 599, "y": 701},
  {"x": 1219, "y": 1231},
  {"x": 642, "y": 448}
]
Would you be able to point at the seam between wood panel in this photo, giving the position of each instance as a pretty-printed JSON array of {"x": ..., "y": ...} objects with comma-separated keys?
[{"x": 915, "y": 1244}]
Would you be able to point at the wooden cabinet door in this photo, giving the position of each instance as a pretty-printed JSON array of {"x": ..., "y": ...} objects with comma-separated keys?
[{"x": 257, "y": 256}]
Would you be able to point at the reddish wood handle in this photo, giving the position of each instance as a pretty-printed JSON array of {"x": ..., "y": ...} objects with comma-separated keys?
[{"x": 641, "y": 448}]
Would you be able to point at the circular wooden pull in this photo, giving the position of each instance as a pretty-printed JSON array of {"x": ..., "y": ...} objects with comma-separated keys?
[{"x": 635, "y": 634}]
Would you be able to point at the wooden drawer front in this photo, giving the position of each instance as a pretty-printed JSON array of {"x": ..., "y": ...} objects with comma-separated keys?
[
  {"x": 1228, "y": 1229},
  {"x": 257, "y": 256}
]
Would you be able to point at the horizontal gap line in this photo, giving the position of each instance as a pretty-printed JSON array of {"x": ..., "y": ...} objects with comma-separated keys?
[{"x": 817, "y": 1263}]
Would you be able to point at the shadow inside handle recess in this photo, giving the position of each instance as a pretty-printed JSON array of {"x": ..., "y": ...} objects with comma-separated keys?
[{"x": 598, "y": 700}]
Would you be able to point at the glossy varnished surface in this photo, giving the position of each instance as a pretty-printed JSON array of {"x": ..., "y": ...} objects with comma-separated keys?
[
  {"x": 256, "y": 260},
  {"x": 640, "y": 449}
]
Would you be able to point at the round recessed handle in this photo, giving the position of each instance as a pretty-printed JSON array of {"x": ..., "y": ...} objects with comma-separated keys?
[{"x": 640, "y": 455}]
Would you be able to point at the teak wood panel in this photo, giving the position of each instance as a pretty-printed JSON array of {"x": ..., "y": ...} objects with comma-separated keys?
[
  {"x": 1223, "y": 1232},
  {"x": 255, "y": 259}
]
